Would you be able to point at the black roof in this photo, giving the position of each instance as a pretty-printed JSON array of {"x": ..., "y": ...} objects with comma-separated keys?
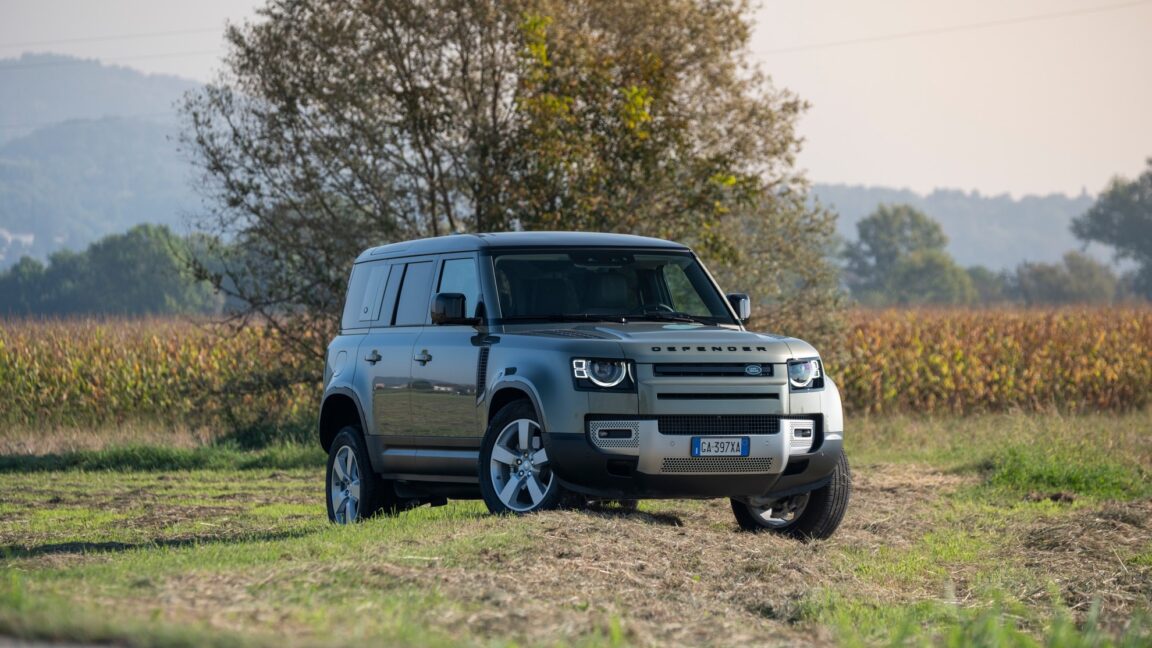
[{"x": 498, "y": 240}]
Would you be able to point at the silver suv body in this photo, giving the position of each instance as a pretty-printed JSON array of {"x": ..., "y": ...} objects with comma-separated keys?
[{"x": 537, "y": 369}]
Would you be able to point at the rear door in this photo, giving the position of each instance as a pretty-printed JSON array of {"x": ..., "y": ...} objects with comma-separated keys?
[{"x": 385, "y": 354}]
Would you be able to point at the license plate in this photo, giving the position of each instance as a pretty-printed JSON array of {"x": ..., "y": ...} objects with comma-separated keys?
[{"x": 719, "y": 446}]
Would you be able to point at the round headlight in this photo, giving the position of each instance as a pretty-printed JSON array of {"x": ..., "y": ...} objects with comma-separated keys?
[
  {"x": 801, "y": 374},
  {"x": 607, "y": 373}
]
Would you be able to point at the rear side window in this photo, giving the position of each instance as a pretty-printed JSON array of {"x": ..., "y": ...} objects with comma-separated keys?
[
  {"x": 459, "y": 276},
  {"x": 374, "y": 295},
  {"x": 415, "y": 293},
  {"x": 357, "y": 293}
]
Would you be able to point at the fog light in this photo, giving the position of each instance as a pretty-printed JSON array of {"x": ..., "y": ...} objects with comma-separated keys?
[{"x": 801, "y": 435}]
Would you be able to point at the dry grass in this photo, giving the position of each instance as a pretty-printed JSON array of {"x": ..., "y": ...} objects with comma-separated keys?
[{"x": 250, "y": 554}]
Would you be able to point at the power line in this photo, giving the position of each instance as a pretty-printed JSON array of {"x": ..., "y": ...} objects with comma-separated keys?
[
  {"x": 96, "y": 39},
  {"x": 956, "y": 28}
]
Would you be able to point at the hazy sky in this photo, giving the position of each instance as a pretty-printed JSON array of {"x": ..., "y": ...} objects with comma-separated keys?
[{"x": 1018, "y": 96}]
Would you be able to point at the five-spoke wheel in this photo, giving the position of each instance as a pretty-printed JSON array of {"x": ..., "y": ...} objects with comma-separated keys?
[
  {"x": 355, "y": 491},
  {"x": 515, "y": 475}
]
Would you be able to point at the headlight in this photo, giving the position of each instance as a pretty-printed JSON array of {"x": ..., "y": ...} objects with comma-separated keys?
[
  {"x": 805, "y": 374},
  {"x": 605, "y": 374}
]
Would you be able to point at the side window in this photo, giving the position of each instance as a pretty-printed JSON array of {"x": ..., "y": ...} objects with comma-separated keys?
[
  {"x": 374, "y": 296},
  {"x": 357, "y": 284},
  {"x": 415, "y": 293},
  {"x": 459, "y": 276}
]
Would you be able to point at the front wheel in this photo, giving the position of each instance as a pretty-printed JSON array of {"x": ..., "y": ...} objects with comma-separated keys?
[
  {"x": 355, "y": 492},
  {"x": 515, "y": 473},
  {"x": 809, "y": 516}
]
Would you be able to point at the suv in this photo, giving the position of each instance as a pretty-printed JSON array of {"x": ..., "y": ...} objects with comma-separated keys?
[{"x": 532, "y": 369}]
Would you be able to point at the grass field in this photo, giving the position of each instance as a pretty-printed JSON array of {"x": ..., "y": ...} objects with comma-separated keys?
[{"x": 989, "y": 530}]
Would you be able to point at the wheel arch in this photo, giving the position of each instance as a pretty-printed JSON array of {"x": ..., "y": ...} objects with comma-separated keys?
[
  {"x": 341, "y": 408},
  {"x": 508, "y": 393}
]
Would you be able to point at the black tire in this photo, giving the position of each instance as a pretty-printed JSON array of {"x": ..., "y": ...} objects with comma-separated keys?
[
  {"x": 514, "y": 478},
  {"x": 353, "y": 490},
  {"x": 823, "y": 509}
]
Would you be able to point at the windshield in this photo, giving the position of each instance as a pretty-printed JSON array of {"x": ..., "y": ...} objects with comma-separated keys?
[{"x": 606, "y": 285}]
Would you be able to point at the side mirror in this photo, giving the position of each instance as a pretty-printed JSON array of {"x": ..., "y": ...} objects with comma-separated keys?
[
  {"x": 741, "y": 304},
  {"x": 449, "y": 308}
]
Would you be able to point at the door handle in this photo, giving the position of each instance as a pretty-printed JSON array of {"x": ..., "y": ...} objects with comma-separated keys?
[
  {"x": 423, "y": 357},
  {"x": 374, "y": 357}
]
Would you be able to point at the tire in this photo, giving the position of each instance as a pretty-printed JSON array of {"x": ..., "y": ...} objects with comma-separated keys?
[
  {"x": 810, "y": 516},
  {"x": 515, "y": 475},
  {"x": 354, "y": 491}
]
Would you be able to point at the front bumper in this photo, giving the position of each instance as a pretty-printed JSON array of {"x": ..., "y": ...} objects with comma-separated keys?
[{"x": 650, "y": 457}]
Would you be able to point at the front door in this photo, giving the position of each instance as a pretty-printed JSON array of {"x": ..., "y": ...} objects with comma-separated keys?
[{"x": 445, "y": 362}]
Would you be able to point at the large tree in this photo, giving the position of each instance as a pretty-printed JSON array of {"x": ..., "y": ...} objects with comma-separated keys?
[
  {"x": 1122, "y": 218},
  {"x": 339, "y": 124},
  {"x": 899, "y": 257}
]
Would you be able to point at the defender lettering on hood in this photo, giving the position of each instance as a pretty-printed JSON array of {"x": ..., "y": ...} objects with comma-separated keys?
[{"x": 708, "y": 349}]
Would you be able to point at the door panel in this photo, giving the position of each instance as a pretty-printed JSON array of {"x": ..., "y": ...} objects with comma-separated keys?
[
  {"x": 387, "y": 378},
  {"x": 443, "y": 389}
]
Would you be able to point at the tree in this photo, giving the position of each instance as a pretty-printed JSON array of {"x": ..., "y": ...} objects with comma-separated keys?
[
  {"x": 1122, "y": 218},
  {"x": 1080, "y": 279},
  {"x": 140, "y": 272},
  {"x": 341, "y": 124},
  {"x": 927, "y": 277},
  {"x": 899, "y": 257},
  {"x": 991, "y": 287},
  {"x": 883, "y": 238}
]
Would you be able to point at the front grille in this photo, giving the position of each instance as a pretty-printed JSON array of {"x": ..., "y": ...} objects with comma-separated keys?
[
  {"x": 705, "y": 424},
  {"x": 712, "y": 369},
  {"x": 716, "y": 465}
]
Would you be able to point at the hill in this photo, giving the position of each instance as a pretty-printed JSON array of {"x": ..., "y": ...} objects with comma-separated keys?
[
  {"x": 998, "y": 232},
  {"x": 42, "y": 89},
  {"x": 69, "y": 184},
  {"x": 86, "y": 150}
]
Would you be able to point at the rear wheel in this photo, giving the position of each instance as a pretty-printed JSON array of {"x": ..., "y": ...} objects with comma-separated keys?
[
  {"x": 515, "y": 473},
  {"x": 808, "y": 516},
  {"x": 355, "y": 492}
]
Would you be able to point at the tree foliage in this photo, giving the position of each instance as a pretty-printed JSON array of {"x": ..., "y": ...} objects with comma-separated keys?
[
  {"x": 899, "y": 257},
  {"x": 1080, "y": 279},
  {"x": 140, "y": 272},
  {"x": 340, "y": 124},
  {"x": 1122, "y": 218}
]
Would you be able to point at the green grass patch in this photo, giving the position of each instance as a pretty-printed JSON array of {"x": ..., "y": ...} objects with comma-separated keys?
[
  {"x": 943, "y": 622},
  {"x": 1062, "y": 467},
  {"x": 152, "y": 458}
]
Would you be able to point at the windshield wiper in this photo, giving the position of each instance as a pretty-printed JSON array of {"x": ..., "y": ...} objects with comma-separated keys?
[
  {"x": 667, "y": 316},
  {"x": 565, "y": 317}
]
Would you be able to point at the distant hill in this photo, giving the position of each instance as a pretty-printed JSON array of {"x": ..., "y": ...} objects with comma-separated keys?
[
  {"x": 998, "y": 232},
  {"x": 41, "y": 89},
  {"x": 67, "y": 185},
  {"x": 86, "y": 150}
]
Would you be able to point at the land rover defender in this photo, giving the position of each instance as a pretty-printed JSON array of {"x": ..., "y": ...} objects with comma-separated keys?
[{"x": 534, "y": 369}]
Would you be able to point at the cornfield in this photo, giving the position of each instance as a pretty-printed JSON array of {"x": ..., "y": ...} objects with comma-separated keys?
[
  {"x": 969, "y": 361},
  {"x": 94, "y": 372}
]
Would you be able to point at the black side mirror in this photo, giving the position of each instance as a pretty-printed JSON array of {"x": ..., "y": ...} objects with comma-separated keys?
[
  {"x": 741, "y": 304},
  {"x": 449, "y": 308}
]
